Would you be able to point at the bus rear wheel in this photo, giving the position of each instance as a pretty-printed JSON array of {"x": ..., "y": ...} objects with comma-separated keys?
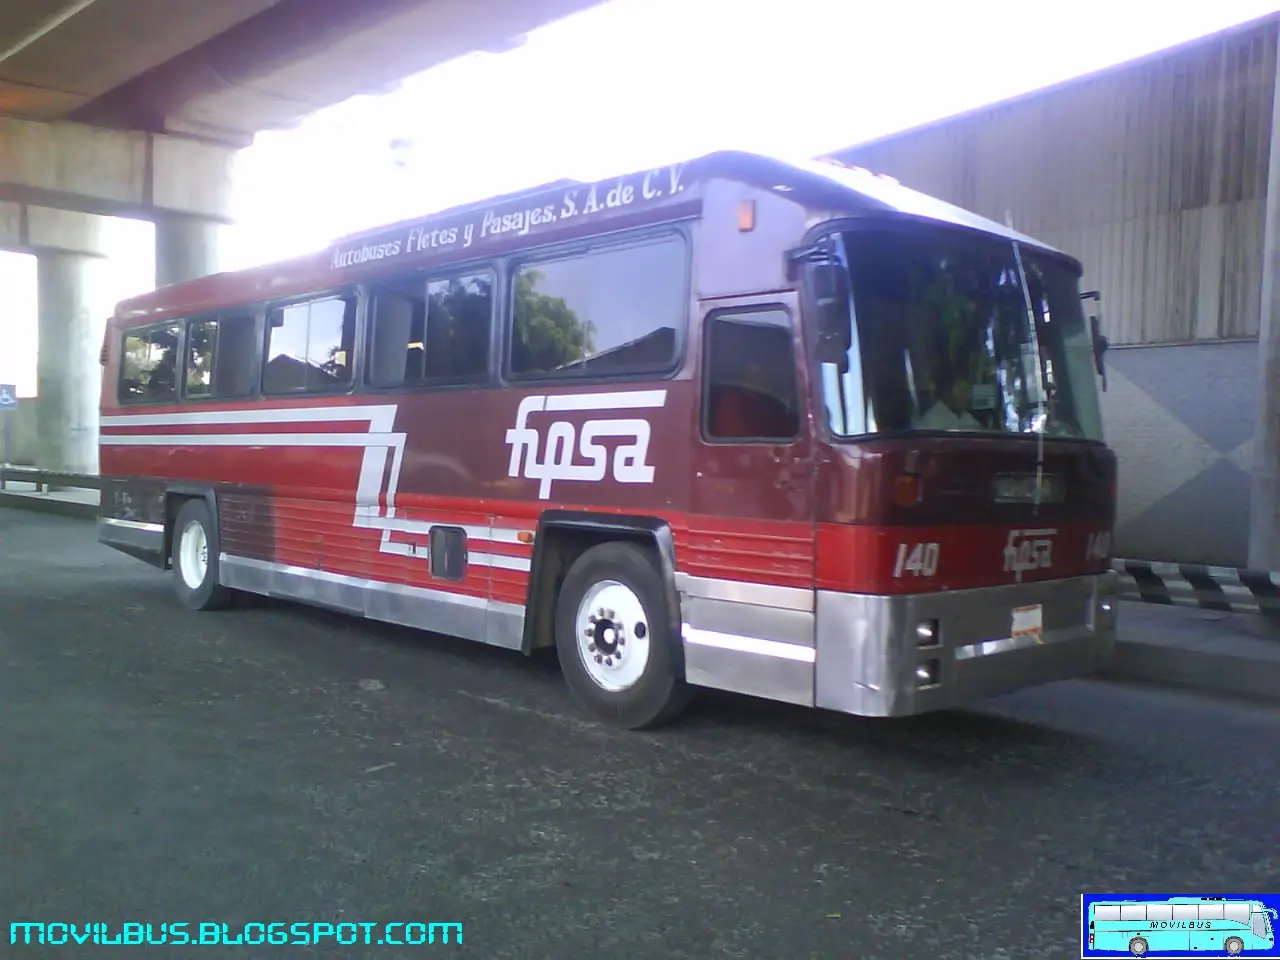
[
  {"x": 194, "y": 557},
  {"x": 614, "y": 639},
  {"x": 1234, "y": 946},
  {"x": 1138, "y": 947}
]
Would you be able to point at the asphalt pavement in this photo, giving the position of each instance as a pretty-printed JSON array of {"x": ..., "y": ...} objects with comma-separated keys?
[{"x": 277, "y": 764}]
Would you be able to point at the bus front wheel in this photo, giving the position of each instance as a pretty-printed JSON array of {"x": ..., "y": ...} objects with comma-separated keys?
[
  {"x": 614, "y": 637},
  {"x": 1138, "y": 947},
  {"x": 1234, "y": 946},
  {"x": 195, "y": 559}
]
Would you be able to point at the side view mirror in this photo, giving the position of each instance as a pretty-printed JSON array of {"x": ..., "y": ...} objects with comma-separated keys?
[{"x": 1100, "y": 342}]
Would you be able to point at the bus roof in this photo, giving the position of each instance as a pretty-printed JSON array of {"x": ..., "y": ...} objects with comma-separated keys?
[{"x": 553, "y": 212}]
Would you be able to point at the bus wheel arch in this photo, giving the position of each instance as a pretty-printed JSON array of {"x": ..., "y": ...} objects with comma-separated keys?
[
  {"x": 1138, "y": 946},
  {"x": 614, "y": 639},
  {"x": 564, "y": 536},
  {"x": 193, "y": 554},
  {"x": 1234, "y": 946}
]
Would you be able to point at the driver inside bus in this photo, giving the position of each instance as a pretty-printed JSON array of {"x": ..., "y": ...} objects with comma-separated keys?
[{"x": 951, "y": 410}]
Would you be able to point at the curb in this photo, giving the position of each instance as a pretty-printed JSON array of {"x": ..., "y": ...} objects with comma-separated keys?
[
  {"x": 46, "y": 504},
  {"x": 1211, "y": 671},
  {"x": 1228, "y": 589}
]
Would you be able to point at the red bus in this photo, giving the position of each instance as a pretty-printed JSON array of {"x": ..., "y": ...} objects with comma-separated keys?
[{"x": 789, "y": 430}]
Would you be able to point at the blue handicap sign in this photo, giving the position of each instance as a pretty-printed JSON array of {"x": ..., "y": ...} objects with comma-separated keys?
[{"x": 8, "y": 395}]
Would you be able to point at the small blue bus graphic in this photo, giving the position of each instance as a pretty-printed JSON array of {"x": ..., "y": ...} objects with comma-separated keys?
[{"x": 1202, "y": 924}]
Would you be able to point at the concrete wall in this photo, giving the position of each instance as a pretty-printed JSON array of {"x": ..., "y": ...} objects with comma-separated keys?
[{"x": 1154, "y": 174}]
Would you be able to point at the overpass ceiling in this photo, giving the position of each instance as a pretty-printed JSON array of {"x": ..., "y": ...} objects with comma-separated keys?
[
  {"x": 227, "y": 69},
  {"x": 54, "y": 68}
]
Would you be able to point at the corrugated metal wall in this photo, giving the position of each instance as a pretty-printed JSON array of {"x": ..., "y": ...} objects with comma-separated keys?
[{"x": 1153, "y": 174}]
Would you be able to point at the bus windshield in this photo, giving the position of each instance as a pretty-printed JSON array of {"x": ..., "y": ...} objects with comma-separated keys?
[{"x": 954, "y": 330}]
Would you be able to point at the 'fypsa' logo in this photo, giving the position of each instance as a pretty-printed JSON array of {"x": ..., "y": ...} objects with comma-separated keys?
[
  {"x": 1028, "y": 550},
  {"x": 573, "y": 455}
]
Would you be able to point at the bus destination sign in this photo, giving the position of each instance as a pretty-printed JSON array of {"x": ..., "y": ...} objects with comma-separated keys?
[{"x": 517, "y": 218}]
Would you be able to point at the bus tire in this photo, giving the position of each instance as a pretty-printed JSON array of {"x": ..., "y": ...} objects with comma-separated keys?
[
  {"x": 194, "y": 558},
  {"x": 614, "y": 639},
  {"x": 1234, "y": 946},
  {"x": 1138, "y": 946}
]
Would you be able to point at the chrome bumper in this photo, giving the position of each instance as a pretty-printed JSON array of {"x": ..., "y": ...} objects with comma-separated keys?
[{"x": 870, "y": 659}]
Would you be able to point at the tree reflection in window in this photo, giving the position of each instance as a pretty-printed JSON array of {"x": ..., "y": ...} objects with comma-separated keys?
[
  {"x": 201, "y": 338},
  {"x": 616, "y": 310},
  {"x": 149, "y": 362},
  {"x": 548, "y": 335},
  {"x": 458, "y": 314}
]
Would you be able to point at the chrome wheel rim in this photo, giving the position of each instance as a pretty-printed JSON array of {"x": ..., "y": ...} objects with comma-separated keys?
[
  {"x": 613, "y": 635},
  {"x": 193, "y": 555}
]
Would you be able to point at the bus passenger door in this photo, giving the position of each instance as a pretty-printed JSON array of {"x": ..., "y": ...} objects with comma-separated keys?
[{"x": 750, "y": 551}]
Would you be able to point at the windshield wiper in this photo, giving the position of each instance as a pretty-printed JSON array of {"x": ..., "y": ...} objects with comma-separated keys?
[{"x": 1041, "y": 401}]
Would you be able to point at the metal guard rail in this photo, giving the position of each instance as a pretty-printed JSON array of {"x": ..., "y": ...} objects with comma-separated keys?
[
  {"x": 1229, "y": 589},
  {"x": 43, "y": 479}
]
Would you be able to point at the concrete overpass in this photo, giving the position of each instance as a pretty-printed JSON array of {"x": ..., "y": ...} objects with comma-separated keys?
[{"x": 135, "y": 108}]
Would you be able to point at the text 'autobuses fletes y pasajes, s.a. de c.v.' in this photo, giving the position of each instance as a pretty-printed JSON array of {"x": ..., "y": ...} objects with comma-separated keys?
[{"x": 517, "y": 218}]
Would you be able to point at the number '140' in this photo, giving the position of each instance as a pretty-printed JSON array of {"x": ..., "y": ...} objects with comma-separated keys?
[{"x": 919, "y": 560}]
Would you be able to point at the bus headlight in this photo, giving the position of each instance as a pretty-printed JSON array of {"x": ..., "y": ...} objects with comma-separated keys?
[{"x": 927, "y": 633}]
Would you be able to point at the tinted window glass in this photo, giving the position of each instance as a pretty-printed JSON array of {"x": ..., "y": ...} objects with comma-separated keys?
[
  {"x": 751, "y": 377},
  {"x": 956, "y": 331},
  {"x": 613, "y": 311},
  {"x": 220, "y": 357},
  {"x": 309, "y": 346},
  {"x": 434, "y": 331},
  {"x": 458, "y": 312},
  {"x": 149, "y": 364}
]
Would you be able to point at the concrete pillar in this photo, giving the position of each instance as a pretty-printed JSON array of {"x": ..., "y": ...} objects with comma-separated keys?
[
  {"x": 68, "y": 376},
  {"x": 1264, "y": 505},
  {"x": 72, "y": 308},
  {"x": 186, "y": 248}
]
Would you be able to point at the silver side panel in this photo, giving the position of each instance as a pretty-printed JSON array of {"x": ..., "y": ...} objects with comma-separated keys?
[
  {"x": 748, "y": 638},
  {"x": 115, "y": 532},
  {"x": 868, "y": 651},
  {"x": 458, "y": 615}
]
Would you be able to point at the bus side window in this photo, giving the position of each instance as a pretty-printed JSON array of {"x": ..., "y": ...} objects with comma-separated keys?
[
  {"x": 1237, "y": 911},
  {"x": 220, "y": 357},
  {"x": 309, "y": 346},
  {"x": 149, "y": 365},
  {"x": 397, "y": 319},
  {"x": 610, "y": 312},
  {"x": 750, "y": 392},
  {"x": 459, "y": 315},
  {"x": 431, "y": 331}
]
